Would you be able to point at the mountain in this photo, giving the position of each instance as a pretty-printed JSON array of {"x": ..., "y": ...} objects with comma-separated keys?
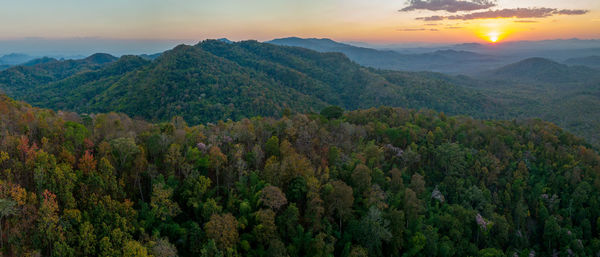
[
  {"x": 382, "y": 182},
  {"x": 150, "y": 57},
  {"x": 445, "y": 60},
  {"x": 15, "y": 59},
  {"x": 364, "y": 56},
  {"x": 214, "y": 81},
  {"x": 590, "y": 61},
  {"x": 39, "y": 61},
  {"x": 225, "y": 40},
  {"x": 25, "y": 78},
  {"x": 100, "y": 58},
  {"x": 506, "y": 52},
  {"x": 544, "y": 70}
]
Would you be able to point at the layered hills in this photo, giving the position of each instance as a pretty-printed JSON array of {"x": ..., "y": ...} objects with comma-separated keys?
[
  {"x": 219, "y": 80},
  {"x": 216, "y": 80}
]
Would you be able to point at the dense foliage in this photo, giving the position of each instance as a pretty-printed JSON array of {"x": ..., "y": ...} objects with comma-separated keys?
[
  {"x": 215, "y": 80},
  {"x": 219, "y": 80},
  {"x": 378, "y": 182}
]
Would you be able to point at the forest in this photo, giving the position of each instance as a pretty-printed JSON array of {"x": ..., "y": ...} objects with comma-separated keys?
[
  {"x": 215, "y": 80},
  {"x": 376, "y": 182}
]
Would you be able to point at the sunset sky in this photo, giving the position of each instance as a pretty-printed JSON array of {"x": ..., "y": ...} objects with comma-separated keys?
[{"x": 376, "y": 21}]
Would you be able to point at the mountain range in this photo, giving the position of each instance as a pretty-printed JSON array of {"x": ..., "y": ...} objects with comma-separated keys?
[
  {"x": 216, "y": 80},
  {"x": 447, "y": 61},
  {"x": 544, "y": 70},
  {"x": 219, "y": 80},
  {"x": 9, "y": 60},
  {"x": 468, "y": 58},
  {"x": 590, "y": 61}
]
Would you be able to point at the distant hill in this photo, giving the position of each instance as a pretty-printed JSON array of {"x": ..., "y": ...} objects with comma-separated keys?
[
  {"x": 446, "y": 61},
  {"x": 150, "y": 56},
  {"x": 225, "y": 40},
  {"x": 590, "y": 61},
  {"x": 15, "y": 59},
  {"x": 100, "y": 58},
  {"x": 23, "y": 78},
  {"x": 544, "y": 70},
  {"x": 39, "y": 61},
  {"x": 215, "y": 80}
]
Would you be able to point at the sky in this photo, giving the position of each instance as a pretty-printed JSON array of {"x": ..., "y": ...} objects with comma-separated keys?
[{"x": 373, "y": 21}]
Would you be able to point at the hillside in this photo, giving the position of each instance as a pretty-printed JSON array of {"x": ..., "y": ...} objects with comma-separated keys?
[
  {"x": 15, "y": 59},
  {"x": 541, "y": 88},
  {"x": 445, "y": 60},
  {"x": 219, "y": 80},
  {"x": 544, "y": 70},
  {"x": 590, "y": 61},
  {"x": 215, "y": 80},
  {"x": 377, "y": 182},
  {"x": 20, "y": 79}
]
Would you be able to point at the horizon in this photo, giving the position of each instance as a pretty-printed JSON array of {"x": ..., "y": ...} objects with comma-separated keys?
[
  {"x": 85, "y": 46},
  {"x": 376, "y": 22}
]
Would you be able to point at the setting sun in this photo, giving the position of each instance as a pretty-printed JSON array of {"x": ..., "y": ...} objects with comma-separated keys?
[{"x": 493, "y": 36}]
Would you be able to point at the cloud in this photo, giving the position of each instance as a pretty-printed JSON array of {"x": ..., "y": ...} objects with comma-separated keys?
[
  {"x": 522, "y": 13},
  {"x": 454, "y": 27},
  {"x": 432, "y": 18},
  {"x": 525, "y": 21},
  {"x": 571, "y": 12},
  {"x": 431, "y": 24},
  {"x": 448, "y": 5},
  {"x": 419, "y": 29}
]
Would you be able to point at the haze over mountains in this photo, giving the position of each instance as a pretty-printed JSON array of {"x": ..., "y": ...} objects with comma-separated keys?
[
  {"x": 448, "y": 61},
  {"x": 471, "y": 58}
]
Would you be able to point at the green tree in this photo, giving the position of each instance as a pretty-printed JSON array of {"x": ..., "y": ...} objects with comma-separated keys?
[
  {"x": 272, "y": 147},
  {"x": 124, "y": 150},
  {"x": 134, "y": 249},
  {"x": 7, "y": 208},
  {"x": 374, "y": 230},
  {"x": 332, "y": 112},
  {"x": 163, "y": 207}
]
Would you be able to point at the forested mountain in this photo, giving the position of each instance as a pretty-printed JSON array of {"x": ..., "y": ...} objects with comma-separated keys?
[
  {"x": 590, "y": 61},
  {"x": 15, "y": 59},
  {"x": 8, "y": 60},
  {"x": 219, "y": 80},
  {"x": 216, "y": 80},
  {"x": 438, "y": 60},
  {"x": 24, "y": 78},
  {"x": 377, "y": 182},
  {"x": 537, "y": 87},
  {"x": 544, "y": 70}
]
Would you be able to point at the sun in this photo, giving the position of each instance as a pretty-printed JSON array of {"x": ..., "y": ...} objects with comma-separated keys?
[{"x": 493, "y": 36}]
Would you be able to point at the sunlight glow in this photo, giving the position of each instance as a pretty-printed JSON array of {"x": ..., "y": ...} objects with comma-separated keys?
[{"x": 493, "y": 36}]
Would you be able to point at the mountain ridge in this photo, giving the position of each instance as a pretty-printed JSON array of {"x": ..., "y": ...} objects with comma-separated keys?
[
  {"x": 214, "y": 81},
  {"x": 544, "y": 70}
]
